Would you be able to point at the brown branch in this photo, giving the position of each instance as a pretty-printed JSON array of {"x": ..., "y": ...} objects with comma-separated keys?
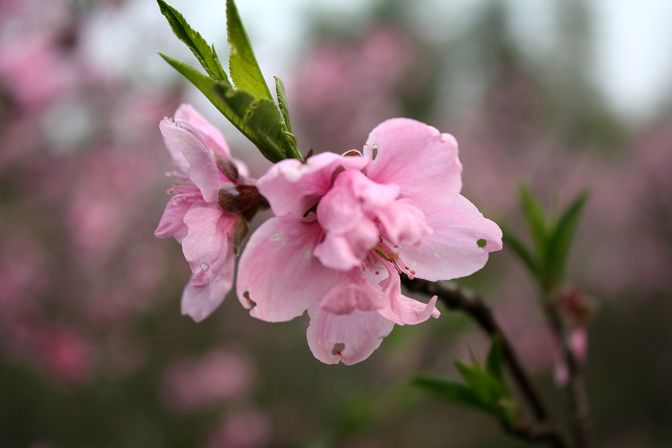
[
  {"x": 579, "y": 412},
  {"x": 457, "y": 299},
  {"x": 539, "y": 433}
]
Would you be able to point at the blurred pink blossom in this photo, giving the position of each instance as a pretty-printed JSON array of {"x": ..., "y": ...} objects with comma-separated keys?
[
  {"x": 577, "y": 341},
  {"x": 63, "y": 353},
  {"x": 249, "y": 428},
  {"x": 357, "y": 82},
  {"x": 67, "y": 355},
  {"x": 108, "y": 190},
  {"x": 24, "y": 268},
  {"x": 196, "y": 384},
  {"x": 23, "y": 66}
]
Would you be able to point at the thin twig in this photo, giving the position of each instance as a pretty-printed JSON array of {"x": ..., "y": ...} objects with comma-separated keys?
[
  {"x": 538, "y": 433},
  {"x": 457, "y": 299},
  {"x": 578, "y": 401}
]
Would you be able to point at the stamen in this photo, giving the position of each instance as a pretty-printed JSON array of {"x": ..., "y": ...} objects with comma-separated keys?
[
  {"x": 384, "y": 255},
  {"x": 384, "y": 251}
]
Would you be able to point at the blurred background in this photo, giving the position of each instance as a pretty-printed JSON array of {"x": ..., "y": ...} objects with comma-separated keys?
[{"x": 93, "y": 350}]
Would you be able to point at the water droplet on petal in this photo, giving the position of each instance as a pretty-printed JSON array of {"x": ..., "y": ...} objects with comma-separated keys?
[{"x": 205, "y": 267}]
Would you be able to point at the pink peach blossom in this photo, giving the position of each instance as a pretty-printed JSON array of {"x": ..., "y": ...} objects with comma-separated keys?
[
  {"x": 194, "y": 216},
  {"x": 347, "y": 227}
]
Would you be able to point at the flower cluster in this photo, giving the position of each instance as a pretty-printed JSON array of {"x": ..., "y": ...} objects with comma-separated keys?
[{"x": 346, "y": 227}]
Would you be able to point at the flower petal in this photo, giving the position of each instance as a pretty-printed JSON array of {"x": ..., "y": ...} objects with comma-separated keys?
[
  {"x": 356, "y": 293},
  {"x": 339, "y": 210},
  {"x": 193, "y": 157},
  {"x": 406, "y": 311},
  {"x": 172, "y": 220},
  {"x": 292, "y": 187},
  {"x": 208, "y": 232},
  {"x": 344, "y": 252},
  {"x": 418, "y": 158},
  {"x": 459, "y": 246},
  {"x": 212, "y": 138},
  {"x": 201, "y": 298},
  {"x": 403, "y": 310},
  {"x": 348, "y": 338},
  {"x": 403, "y": 223},
  {"x": 278, "y": 276}
]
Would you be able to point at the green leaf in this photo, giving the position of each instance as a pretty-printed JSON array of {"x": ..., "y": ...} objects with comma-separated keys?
[
  {"x": 243, "y": 66},
  {"x": 205, "y": 53},
  {"x": 489, "y": 386},
  {"x": 518, "y": 248},
  {"x": 480, "y": 381},
  {"x": 483, "y": 391},
  {"x": 561, "y": 237},
  {"x": 282, "y": 102},
  {"x": 258, "y": 119},
  {"x": 454, "y": 392},
  {"x": 284, "y": 110},
  {"x": 536, "y": 220},
  {"x": 507, "y": 411},
  {"x": 495, "y": 360}
]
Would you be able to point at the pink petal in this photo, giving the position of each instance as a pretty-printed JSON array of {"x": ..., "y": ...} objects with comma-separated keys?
[
  {"x": 278, "y": 276},
  {"x": 293, "y": 187},
  {"x": 406, "y": 311},
  {"x": 208, "y": 232},
  {"x": 356, "y": 293},
  {"x": 174, "y": 142},
  {"x": 350, "y": 338},
  {"x": 403, "y": 310},
  {"x": 370, "y": 194},
  {"x": 453, "y": 250},
  {"x": 339, "y": 210},
  {"x": 171, "y": 223},
  {"x": 344, "y": 252},
  {"x": 243, "y": 170},
  {"x": 193, "y": 157},
  {"x": 350, "y": 235},
  {"x": 403, "y": 223},
  {"x": 210, "y": 135},
  {"x": 200, "y": 298},
  {"x": 422, "y": 161},
  {"x": 343, "y": 206}
]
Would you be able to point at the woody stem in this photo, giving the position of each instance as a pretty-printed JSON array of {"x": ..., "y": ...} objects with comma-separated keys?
[{"x": 578, "y": 401}]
